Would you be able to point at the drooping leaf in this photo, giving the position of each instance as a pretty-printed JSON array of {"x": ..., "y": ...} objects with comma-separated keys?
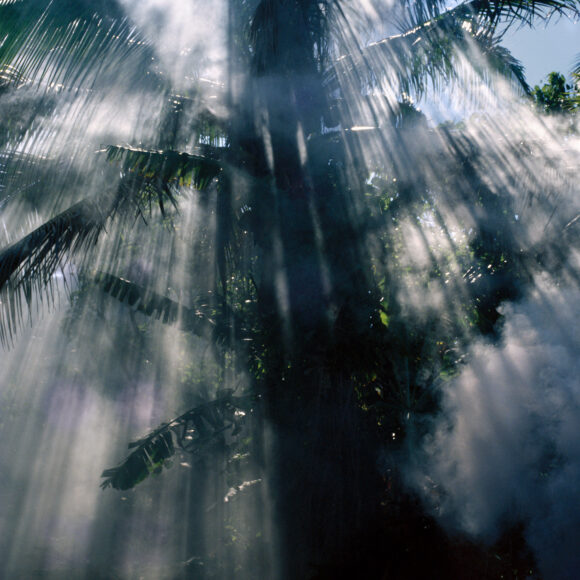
[
  {"x": 431, "y": 51},
  {"x": 42, "y": 251},
  {"x": 491, "y": 12},
  {"x": 193, "y": 432},
  {"x": 151, "y": 303},
  {"x": 55, "y": 48},
  {"x": 147, "y": 459},
  {"x": 182, "y": 169},
  {"x": 29, "y": 264},
  {"x": 503, "y": 62},
  {"x": 518, "y": 11}
]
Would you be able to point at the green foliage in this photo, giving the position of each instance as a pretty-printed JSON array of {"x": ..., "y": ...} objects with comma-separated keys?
[
  {"x": 166, "y": 167},
  {"x": 556, "y": 96}
]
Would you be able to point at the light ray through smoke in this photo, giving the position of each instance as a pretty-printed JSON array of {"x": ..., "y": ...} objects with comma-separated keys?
[{"x": 334, "y": 208}]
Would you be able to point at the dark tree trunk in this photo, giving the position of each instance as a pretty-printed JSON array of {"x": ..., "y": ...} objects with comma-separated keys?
[
  {"x": 321, "y": 462},
  {"x": 323, "y": 478}
]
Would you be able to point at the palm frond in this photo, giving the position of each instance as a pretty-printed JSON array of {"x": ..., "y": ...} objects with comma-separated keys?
[
  {"x": 63, "y": 48},
  {"x": 423, "y": 52},
  {"x": 503, "y": 62},
  {"x": 167, "y": 167},
  {"x": 153, "y": 304},
  {"x": 29, "y": 264},
  {"x": 219, "y": 323},
  {"x": 428, "y": 50},
  {"x": 489, "y": 13},
  {"x": 41, "y": 252},
  {"x": 194, "y": 432},
  {"x": 417, "y": 13},
  {"x": 523, "y": 11}
]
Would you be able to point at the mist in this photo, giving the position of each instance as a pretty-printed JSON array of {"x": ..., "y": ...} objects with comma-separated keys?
[
  {"x": 506, "y": 447},
  {"x": 282, "y": 297}
]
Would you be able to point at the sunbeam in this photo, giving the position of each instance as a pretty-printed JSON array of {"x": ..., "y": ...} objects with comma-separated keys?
[{"x": 295, "y": 282}]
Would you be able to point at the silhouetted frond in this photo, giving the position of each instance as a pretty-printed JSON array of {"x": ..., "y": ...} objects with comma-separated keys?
[
  {"x": 404, "y": 60},
  {"x": 55, "y": 48},
  {"x": 432, "y": 37},
  {"x": 218, "y": 323},
  {"x": 503, "y": 62},
  {"x": 490, "y": 12},
  {"x": 518, "y": 11},
  {"x": 152, "y": 304},
  {"x": 168, "y": 167},
  {"x": 41, "y": 252},
  {"x": 28, "y": 266},
  {"x": 194, "y": 432},
  {"x": 30, "y": 263}
]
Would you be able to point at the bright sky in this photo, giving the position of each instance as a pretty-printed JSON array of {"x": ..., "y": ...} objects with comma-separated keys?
[{"x": 545, "y": 49}]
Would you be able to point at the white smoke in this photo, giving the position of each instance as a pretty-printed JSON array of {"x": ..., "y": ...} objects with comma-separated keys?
[{"x": 509, "y": 447}]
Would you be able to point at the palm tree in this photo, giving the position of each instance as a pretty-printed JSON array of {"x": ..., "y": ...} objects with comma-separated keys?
[{"x": 288, "y": 277}]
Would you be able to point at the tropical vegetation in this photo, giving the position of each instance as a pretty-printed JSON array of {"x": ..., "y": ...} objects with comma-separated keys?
[{"x": 321, "y": 254}]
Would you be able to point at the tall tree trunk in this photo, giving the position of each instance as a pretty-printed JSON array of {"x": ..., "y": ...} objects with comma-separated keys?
[{"x": 321, "y": 464}]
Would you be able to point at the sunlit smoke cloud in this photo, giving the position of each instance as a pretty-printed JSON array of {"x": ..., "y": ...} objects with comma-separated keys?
[{"x": 508, "y": 448}]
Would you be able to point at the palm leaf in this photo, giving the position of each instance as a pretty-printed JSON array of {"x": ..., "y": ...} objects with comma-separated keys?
[
  {"x": 30, "y": 263},
  {"x": 155, "y": 305},
  {"x": 41, "y": 252},
  {"x": 27, "y": 267},
  {"x": 429, "y": 50},
  {"x": 220, "y": 325},
  {"x": 518, "y": 11},
  {"x": 490, "y": 12},
  {"x": 64, "y": 48},
  {"x": 503, "y": 62},
  {"x": 194, "y": 432},
  {"x": 167, "y": 167},
  {"x": 431, "y": 40}
]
